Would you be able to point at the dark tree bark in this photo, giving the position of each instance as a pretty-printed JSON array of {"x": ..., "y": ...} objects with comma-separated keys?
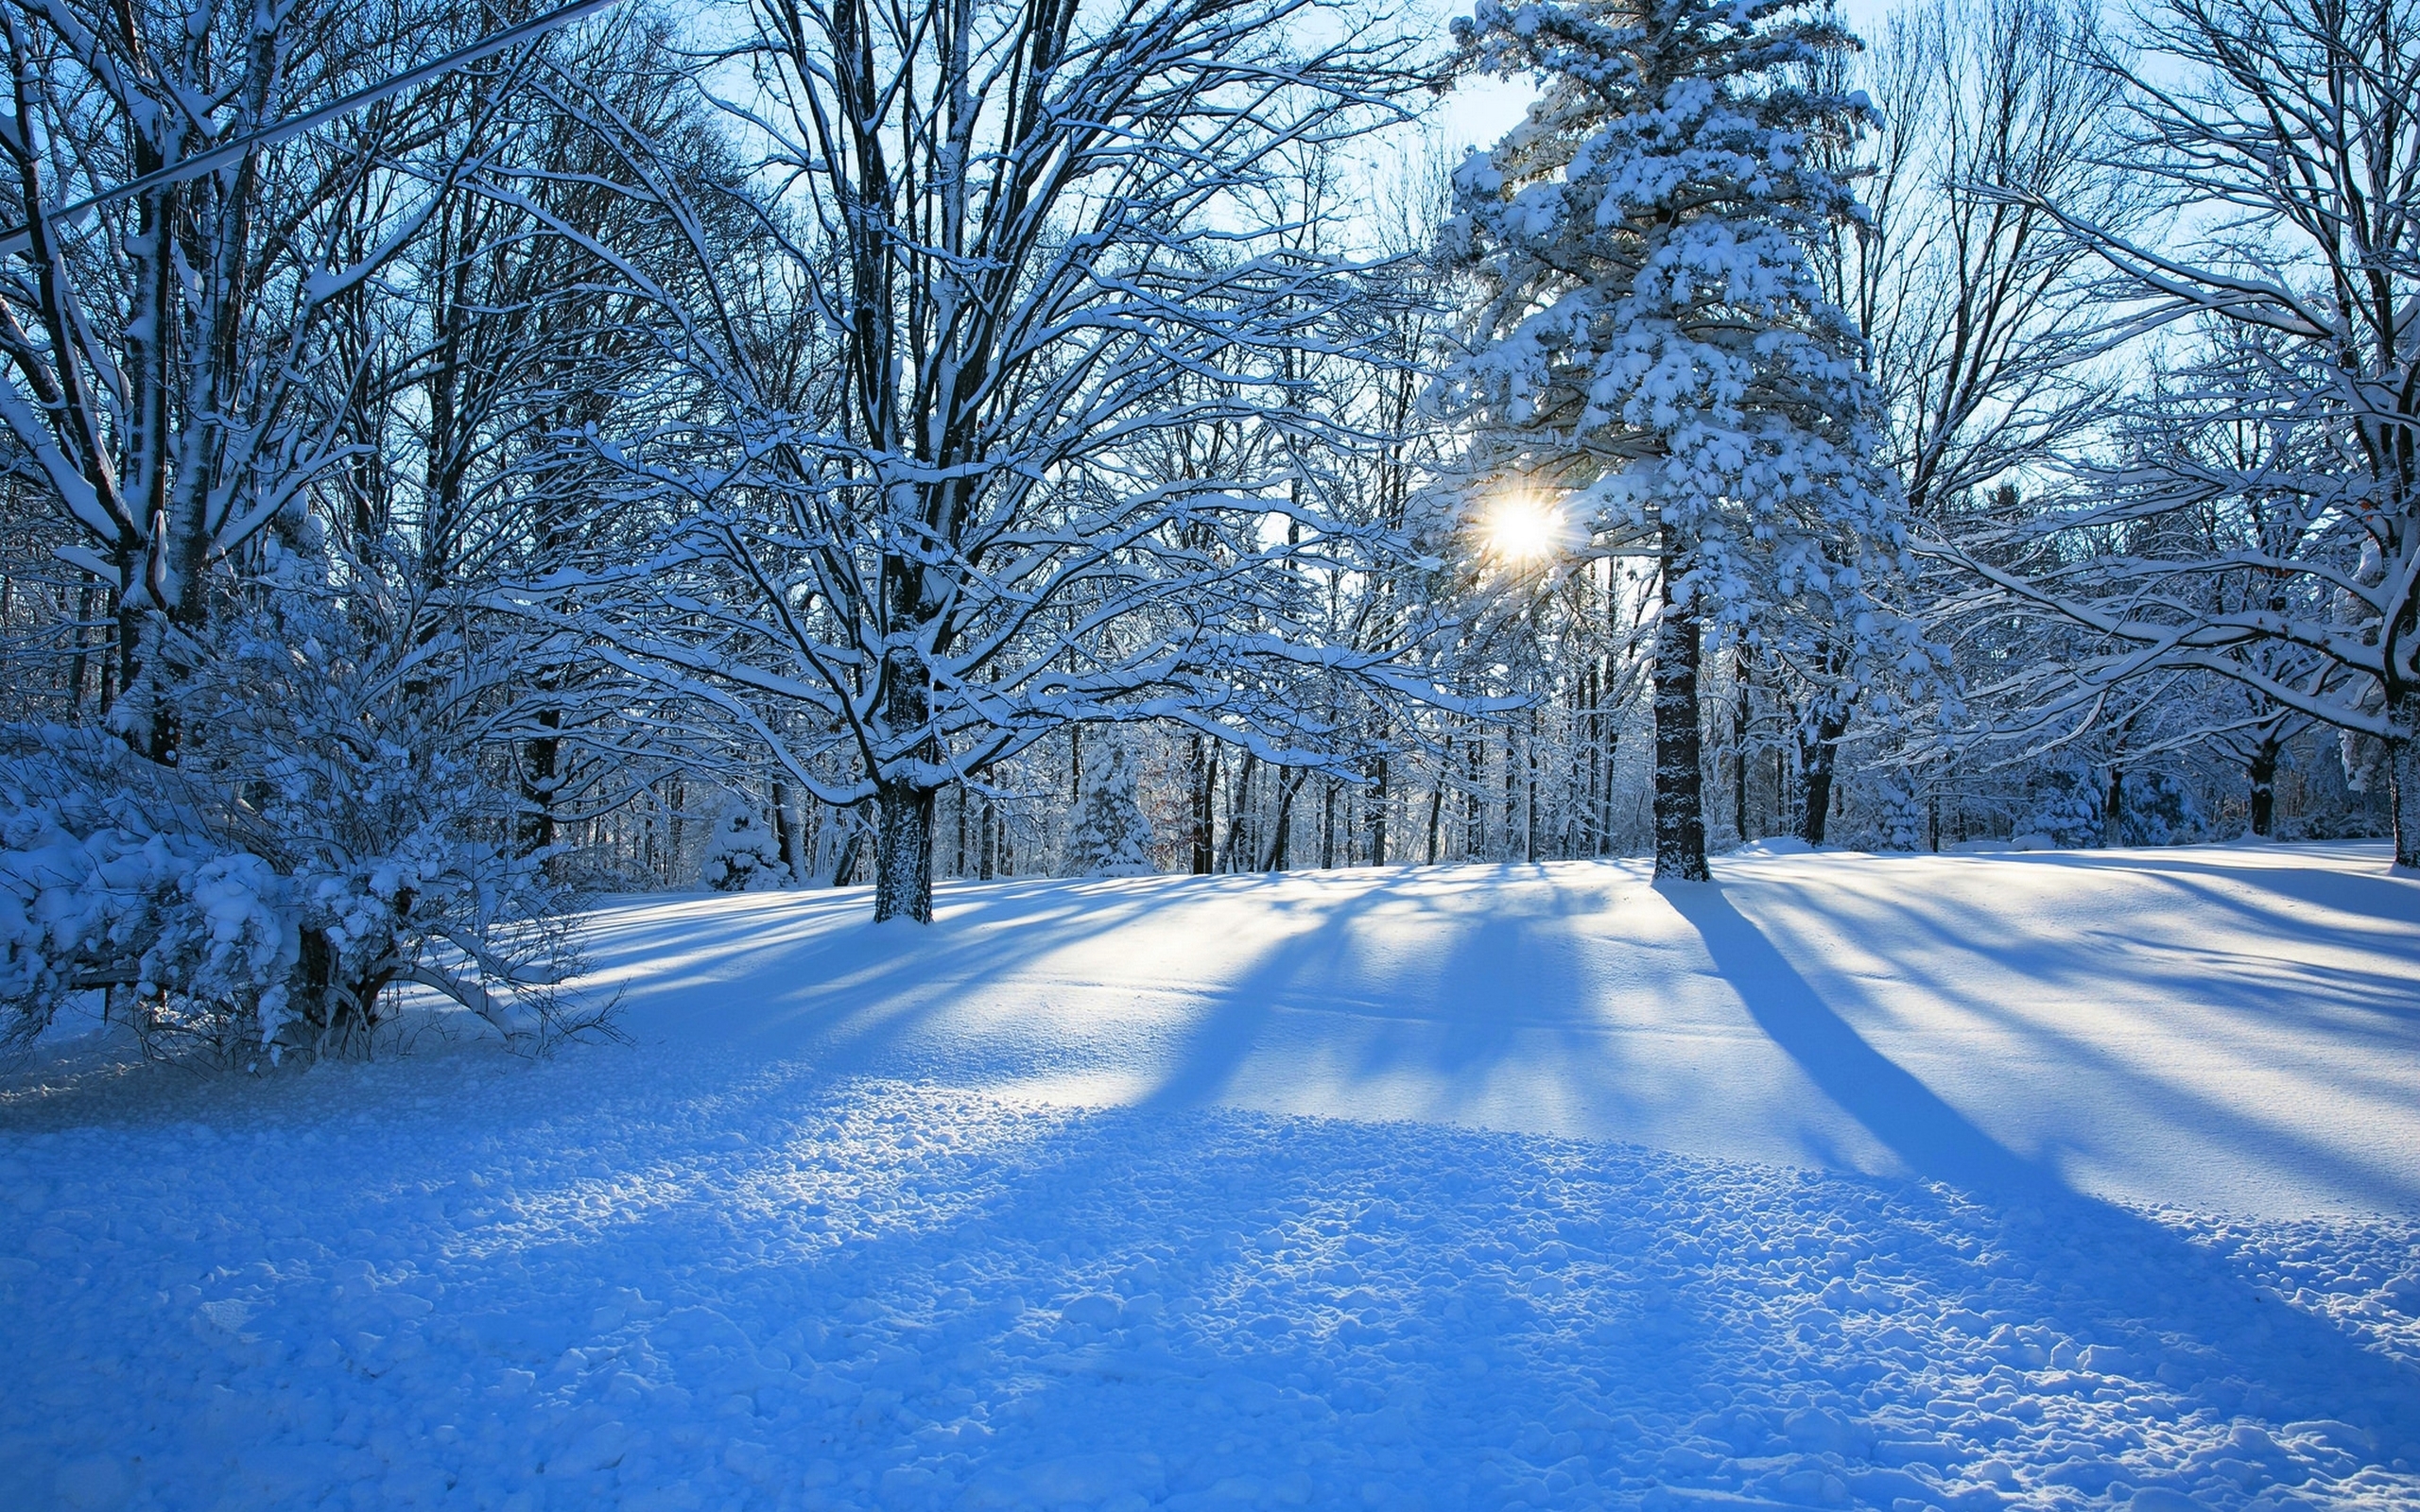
[
  {"x": 2403, "y": 785},
  {"x": 1680, "y": 771},
  {"x": 1280, "y": 847},
  {"x": 1379, "y": 799},
  {"x": 1740, "y": 715},
  {"x": 903, "y": 872},
  {"x": 1818, "y": 755},
  {"x": 1205, "y": 798},
  {"x": 2264, "y": 787},
  {"x": 1437, "y": 798},
  {"x": 902, "y": 868}
]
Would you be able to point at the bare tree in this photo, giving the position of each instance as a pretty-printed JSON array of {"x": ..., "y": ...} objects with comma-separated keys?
[
  {"x": 1980, "y": 325},
  {"x": 2287, "y": 158},
  {"x": 1019, "y": 242},
  {"x": 167, "y": 372}
]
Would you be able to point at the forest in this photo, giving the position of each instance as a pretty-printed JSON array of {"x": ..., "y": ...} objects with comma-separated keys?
[{"x": 461, "y": 462}]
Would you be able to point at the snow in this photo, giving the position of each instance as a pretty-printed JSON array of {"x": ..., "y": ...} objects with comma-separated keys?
[
  {"x": 1778, "y": 845},
  {"x": 2032, "y": 1180}
]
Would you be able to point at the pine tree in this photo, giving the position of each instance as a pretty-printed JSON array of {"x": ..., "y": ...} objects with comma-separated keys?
[
  {"x": 1110, "y": 836},
  {"x": 2067, "y": 808},
  {"x": 1654, "y": 343},
  {"x": 743, "y": 854}
]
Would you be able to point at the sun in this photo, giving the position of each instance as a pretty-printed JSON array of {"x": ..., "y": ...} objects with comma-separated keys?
[{"x": 1522, "y": 531}]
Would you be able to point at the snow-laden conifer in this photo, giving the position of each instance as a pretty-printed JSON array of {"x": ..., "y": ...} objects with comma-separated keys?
[
  {"x": 1654, "y": 346},
  {"x": 743, "y": 854},
  {"x": 1111, "y": 838}
]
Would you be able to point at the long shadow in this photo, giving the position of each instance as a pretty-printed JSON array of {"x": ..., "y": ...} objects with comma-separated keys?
[
  {"x": 1933, "y": 1139},
  {"x": 2375, "y": 895},
  {"x": 852, "y": 992},
  {"x": 1243, "y": 1222},
  {"x": 2239, "y": 1332},
  {"x": 904, "y": 1315},
  {"x": 2379, "y": 1012},
  {"x": 1471, "y": 981},
  {"x": 1226, "y": 1036}
]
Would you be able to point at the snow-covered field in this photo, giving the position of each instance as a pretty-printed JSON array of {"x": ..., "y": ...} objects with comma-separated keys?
[{"x": 2034, "y": 1180}]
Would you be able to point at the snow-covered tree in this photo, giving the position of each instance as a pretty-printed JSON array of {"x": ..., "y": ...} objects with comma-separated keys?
[
  {"x": 328, "y": 832},
  {"x": 742, "y": 852},
  {"x": 1655, "y": 349},
  {"x": 2067, "y": 808},
  {"x": 918, "y": 516},
  {"x": 1110, "y": 836},
  {"x": 165, "y": 371},
  {"x": 2276, "y": 137}
]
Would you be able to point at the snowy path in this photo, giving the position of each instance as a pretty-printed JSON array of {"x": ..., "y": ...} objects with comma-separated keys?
[{"x": 1028, "y": 1214}]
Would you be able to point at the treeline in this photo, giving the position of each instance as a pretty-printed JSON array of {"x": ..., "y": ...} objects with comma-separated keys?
[{"x": 617, "y": 461}]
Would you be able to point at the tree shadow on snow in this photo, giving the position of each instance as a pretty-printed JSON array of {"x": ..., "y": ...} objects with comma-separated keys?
[
  {"x": 2216, "y": 1326},
  {"x": 1945, "y": 948}
]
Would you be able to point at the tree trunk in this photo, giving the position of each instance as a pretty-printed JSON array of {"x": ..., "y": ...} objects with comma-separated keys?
[
  {"x": 1511, "y": 792},
  {"x": 1379, "y": 802},
  {"x": 1239, "y": 816},
  {"x": 1437, "y": 797},
  {"x": 2112, "y": 810},
  {"x": 2264, "y": 787},
  {"x": 1817, "y": 757},
  {"x": 677, "y": 808},
  {"x": 1280, "y": 850},
  {"x": 1680, "y": 775},
  {"x": 541, "y": 778},
  {"x": 844, "y": 866},
  {"x": 84, "y": 607},
  {"x": 1473, "y": 807},
  {"x": 1740, "y": 712},
  {"x": 902, "y": 868},
  {"x": 1529, "y": 831},
  {"x": 2403, "y": 784},
  {"x": 1205, "y": 794},
  {"x": 786, "y": 835}
]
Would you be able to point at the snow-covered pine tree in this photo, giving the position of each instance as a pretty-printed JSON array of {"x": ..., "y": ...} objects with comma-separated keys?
[
  {"x": 2067, "y": 808},
  {"x": 1109, "y": 837},
  {"x": 743, "y": 854},
  {"x": 1654, "y": 344}
]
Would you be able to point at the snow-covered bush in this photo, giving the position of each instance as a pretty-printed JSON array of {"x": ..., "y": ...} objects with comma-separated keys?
[
  {"x": 1110, "y": 836},
  {"x": 1906, "y": 821},
  {"x": 742, "y": 853},
  {"x": 107, "y": 880},
  {"x": 2159, "y": 808},
  {"x": 2067, "y": 807},
  {"x": 325, "y": 833}
]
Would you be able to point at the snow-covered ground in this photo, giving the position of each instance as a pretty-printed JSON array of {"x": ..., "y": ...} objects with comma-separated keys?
[{"x": 2028, "y": 1179}]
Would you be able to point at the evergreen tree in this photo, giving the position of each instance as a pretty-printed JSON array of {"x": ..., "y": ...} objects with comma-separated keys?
[
  {"x": 1654, "y": 344},
  {"x": 743, "y": 854},
  {"x": 1109, "y": 837},
  {"x": 2067, "y": 808}
]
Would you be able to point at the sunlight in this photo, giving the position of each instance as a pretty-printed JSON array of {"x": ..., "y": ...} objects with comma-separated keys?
[{"x": 1522, "y": 531}]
